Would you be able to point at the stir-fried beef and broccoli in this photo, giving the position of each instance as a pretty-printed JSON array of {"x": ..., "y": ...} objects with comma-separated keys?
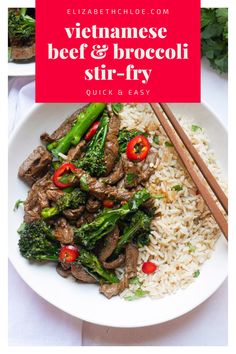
[
  {"x": 88, "y": 209},
  {"x": 21, "y": 34}
]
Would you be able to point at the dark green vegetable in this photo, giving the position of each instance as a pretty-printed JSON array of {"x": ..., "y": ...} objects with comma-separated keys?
[
  {"x": 177, "y": 188},
  {"x": 20, "y": 25},
  {"x": 83, "y": 122},
  {"x": 37, "y": 242},
  {"x": 138, "y": 227},
  {"x": 94, "y": 159},
  {"x": 117, "y": 108},
  {"x": 125, "y": 136},
  {"x": 91, "y": 262},
  {"x": 83, "y": 183},
  {"x": 89, "y": 234},
  {"x": 214, "y": 37},
  {"x": 68, "y": 201},
  {"x": 142, "y": 239}
]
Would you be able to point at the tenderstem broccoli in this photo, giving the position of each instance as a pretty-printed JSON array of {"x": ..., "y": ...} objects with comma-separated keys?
[
  {"x": 139, "y": 225},
  {"x": 67, "y": 201},
  {"x": 93, "y": 160},
  {"x": 37, "y": 242},
  {"x": 81, "y": 125},
  {"x": 89, "y": 234},
  {"x": 91, "y": 262},
  {"x": 20, "y": 25}
]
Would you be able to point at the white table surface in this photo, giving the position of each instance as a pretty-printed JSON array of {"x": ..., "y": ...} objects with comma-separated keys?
[{"x": 204, "y": 326}]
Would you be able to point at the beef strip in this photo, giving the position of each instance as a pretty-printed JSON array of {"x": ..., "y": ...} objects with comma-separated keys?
[
  {"x": 100, "y": 190},
  {"x": 93, "y": 204},
  {"x": 110, "y": 290},
  {"x": 74, "y": 214},
  {"x": 110, "y": 244},
  {"x": 116, "y": 175},
  {"x": 63, "y": 272},
  {"x": 46, "y": 138},
  {"x": 75, "y": 152},
  {"x": 137, "y": 173},
  {"x": 81, "y": 274},
  {"x": 63, "y": 231},
  {"x": 37, "y": 198},
  {"x": 85, "y": 218},
  {"x": 63, "y": 129},
  {"x": 54, "y": 194},
  {"x": 131, "y": 260},
  {"x": 114, "y": 264},
  {"x": 35, "y": 166},
  {"x": 25, "y": 52},
  {"x": 111, "y": 145}
]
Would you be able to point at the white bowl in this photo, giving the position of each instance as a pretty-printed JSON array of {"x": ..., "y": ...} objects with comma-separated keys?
[{"x": 83, "y": 300}]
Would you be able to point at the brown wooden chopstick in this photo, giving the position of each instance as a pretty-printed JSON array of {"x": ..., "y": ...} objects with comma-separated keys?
[
  {"x": 199, "y": 182},
  {"x": 197, "y": 158}
]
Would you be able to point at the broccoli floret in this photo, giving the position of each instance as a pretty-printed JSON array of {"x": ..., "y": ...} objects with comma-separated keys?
[
  {"x": 94, "y": 159},
  {"x": 37, "y": 242},
  {"x": 91, "y": 262},
  {"x": 68, "y": 201},
  {"x": 137, "y": 230},
  {"x": 89, "y": 234},
  {"x": 20, "y": 25}
]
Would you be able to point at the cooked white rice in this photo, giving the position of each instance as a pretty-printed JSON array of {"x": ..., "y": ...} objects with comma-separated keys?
[{"x": 183, "y": 231}]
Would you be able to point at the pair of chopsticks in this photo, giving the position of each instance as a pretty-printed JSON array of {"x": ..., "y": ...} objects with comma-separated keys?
[{"x": 175, "y": 132}]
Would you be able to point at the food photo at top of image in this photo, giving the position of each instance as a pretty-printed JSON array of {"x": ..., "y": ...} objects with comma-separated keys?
[
  {"x": 21, "y": 31},
  {"x": 21, "y": 41}
]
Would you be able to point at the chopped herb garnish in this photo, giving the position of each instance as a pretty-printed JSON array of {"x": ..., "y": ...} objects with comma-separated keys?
[
  {"x": 156, "y": 139},
  {"x": 196, "y": 128},
  {"x": 157, "y": 196},
  {"x": 125, "y": 136},
  {"x": 191, "y": 247},
  {"x": 196, "y": 274},
  {"x": 134, "y": 281},
  {"x": 168, "y": 144},
  {"x": 137, "y": 295},
  {"x": 117, "y": 108},
  {"x": 177, "y": 188},
  {"x": 130, "y": 178},
  {"x": 17, "y": 204}
]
